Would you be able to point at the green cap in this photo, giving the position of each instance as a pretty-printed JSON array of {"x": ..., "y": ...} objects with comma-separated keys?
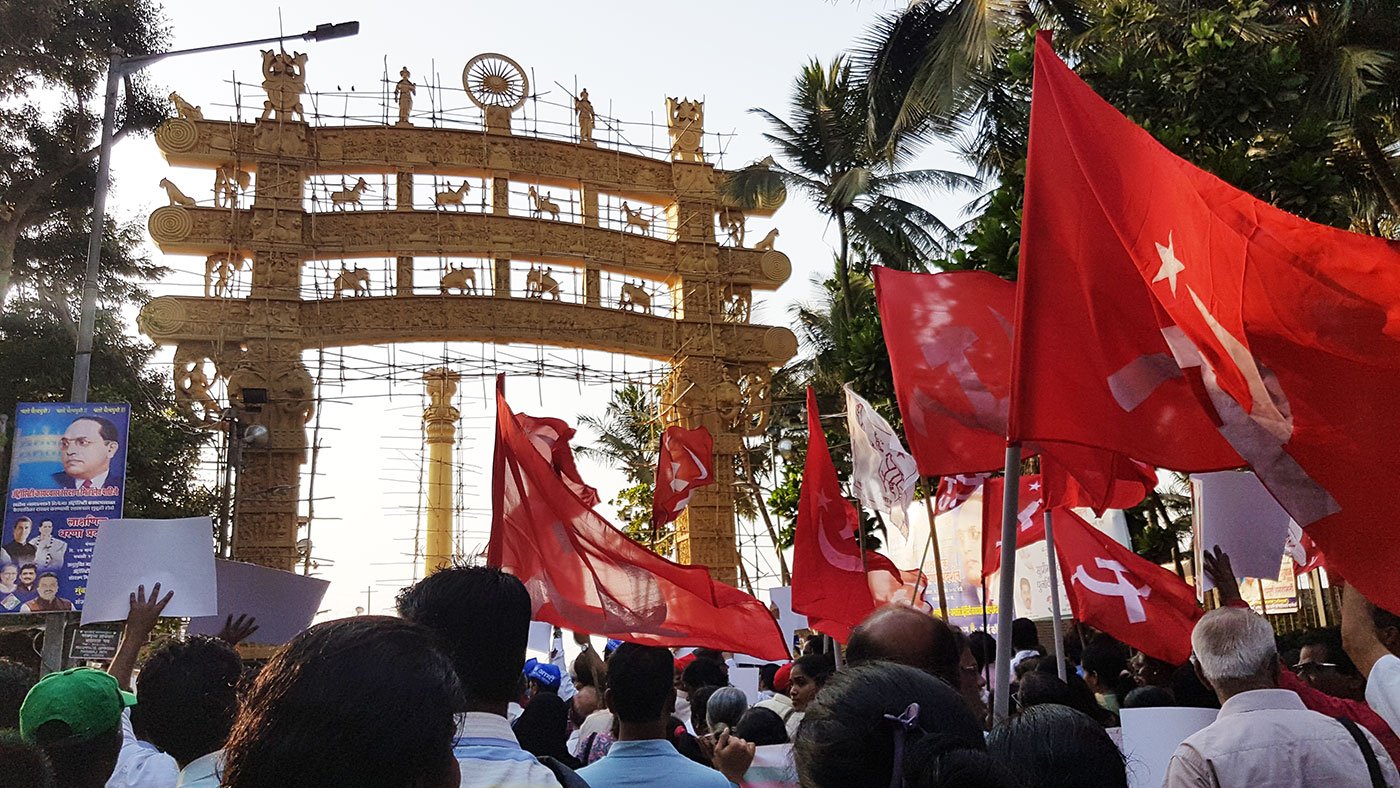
[{"x": 89, "y": 700}]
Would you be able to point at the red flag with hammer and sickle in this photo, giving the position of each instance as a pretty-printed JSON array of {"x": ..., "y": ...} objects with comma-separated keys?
[
  {"x": 949, "y": 339},
  {"x": 686, "y": 462}
]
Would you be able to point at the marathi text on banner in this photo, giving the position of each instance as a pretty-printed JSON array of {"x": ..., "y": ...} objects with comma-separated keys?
[{"x": 67, "y": 477}]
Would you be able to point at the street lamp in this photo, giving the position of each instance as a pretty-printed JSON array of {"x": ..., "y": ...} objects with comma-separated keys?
[{"x": 119, "y": 67}]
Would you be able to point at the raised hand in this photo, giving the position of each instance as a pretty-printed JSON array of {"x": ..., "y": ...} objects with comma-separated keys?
[{"x": 236, "y": 631}]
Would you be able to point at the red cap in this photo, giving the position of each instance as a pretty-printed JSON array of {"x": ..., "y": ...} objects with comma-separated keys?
[{"x": 782, "y": 680}]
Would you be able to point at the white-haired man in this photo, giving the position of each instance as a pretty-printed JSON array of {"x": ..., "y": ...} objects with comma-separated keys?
[{"x": 1265, "y": 735}]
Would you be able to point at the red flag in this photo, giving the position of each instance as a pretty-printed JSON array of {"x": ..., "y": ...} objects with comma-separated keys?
[
  {"x": 1099, "y": 480},
  {"x": 1303, "y": 550},
  {"x": 1030, "y": 518},
  {"x": 686, "y": 463},
  {"x": 1116, "y": 591},
  {"x": 829, "y": 583},
  {"x": 584, "y": 574},
  {"x": 551, "y": 438},
  {"x": 1288, "y": 330},
  {"x": 1091, "y": 365},
  {"x": 953, "y": 491},
  {"x": 949, "y": 340}
]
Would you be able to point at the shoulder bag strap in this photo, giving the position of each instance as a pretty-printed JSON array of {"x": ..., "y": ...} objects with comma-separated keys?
[{"x": 1372, "y": 764}]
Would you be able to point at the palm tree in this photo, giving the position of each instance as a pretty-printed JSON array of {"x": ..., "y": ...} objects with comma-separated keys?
[
  {"x": 828, "y": 150},
  {"x": 629, "y": 433},
  {"x": 1354, "y": 80},
  {"x": 945, "y": 66}
]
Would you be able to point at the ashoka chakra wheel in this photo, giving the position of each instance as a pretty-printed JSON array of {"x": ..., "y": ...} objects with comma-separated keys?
[{"x": 494, "y": 80}]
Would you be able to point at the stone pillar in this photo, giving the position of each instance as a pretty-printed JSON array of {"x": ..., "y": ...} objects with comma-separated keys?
[
  {"x": 440, "y": 427},
  {"x": 705, "y": 530}
]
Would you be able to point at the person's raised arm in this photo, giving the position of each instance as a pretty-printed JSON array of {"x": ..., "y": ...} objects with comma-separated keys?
[
  {"x": 1216, "y": 565},
  {"x": 1359, "y": 636},
  {"x": 140, "y": 622}
]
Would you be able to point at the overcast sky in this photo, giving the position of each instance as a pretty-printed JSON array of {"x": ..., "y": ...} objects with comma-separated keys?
[{"x": 630, "y": 55}]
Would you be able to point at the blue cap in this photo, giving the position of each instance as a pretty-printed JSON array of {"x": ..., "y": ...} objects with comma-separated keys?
[
  {"x": 545, "y": 674},
  {"x": 612, "y": 644}
]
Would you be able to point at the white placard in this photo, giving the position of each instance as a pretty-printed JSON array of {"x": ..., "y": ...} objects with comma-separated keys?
[
  {"x": 284, "y": 603},
  {"x": 1151, "y": 735},
  {"x": 178, "y": 554},
  {"x": 789, "y": 621},
  {"x": 1233, "y": 510},
  {"x": 541, "y": 639},
  {"x": 745, "y": 679}
]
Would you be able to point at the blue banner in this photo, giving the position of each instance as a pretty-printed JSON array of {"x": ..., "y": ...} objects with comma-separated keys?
[{"x": 67, "y": 477}]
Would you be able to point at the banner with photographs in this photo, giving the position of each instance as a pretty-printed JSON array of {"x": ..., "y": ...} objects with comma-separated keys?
[{"x": 67, "y": 477}]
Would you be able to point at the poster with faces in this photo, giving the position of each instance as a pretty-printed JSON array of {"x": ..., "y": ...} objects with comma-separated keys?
[{"x": 67, "y": 478}]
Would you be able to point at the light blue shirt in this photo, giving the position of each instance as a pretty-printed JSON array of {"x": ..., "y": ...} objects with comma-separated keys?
[{"x": 655, "y": 762}]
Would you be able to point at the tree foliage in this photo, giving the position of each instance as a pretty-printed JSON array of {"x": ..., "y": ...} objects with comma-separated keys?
[
  {"x": 53, "y": 64},
  {"x": 162, "y": 455}
]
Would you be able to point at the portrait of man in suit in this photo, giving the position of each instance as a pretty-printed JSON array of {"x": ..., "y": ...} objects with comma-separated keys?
[
  {"x": 86, "y": 449},
  {"x": 18, "y": 548}
]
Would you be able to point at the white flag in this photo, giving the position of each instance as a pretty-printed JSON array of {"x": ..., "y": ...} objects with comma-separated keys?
[{"x": 883, "y": 474}]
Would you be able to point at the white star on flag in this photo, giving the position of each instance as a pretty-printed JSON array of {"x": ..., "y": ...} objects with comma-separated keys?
[{"x": 1171, "y": 265}]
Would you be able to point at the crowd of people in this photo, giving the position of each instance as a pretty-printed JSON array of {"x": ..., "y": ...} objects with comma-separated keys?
[{"x": 443, "y": 695}]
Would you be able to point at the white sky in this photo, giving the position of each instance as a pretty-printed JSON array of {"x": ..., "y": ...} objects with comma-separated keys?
[{"x": 630, "y": 55}]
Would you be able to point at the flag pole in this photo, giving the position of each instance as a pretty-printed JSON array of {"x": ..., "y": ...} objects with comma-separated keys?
[
  {"x": 1006, "y": 597},
  {"x": 1056, "y": 624},
  {"x": 937, "y": 553},
  {"x": 1316, "y": 582}
]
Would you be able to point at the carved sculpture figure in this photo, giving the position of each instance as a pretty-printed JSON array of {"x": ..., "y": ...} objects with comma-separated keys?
[
  {"x": 349, "y": 196},
  {"x": 635, "y": 218},
  {"x": 584, "y": 108},
  {"x": 355, "y": 282},
  {"x": 463, "y": 280},
  {"x": 634, "y": 297},
  {"x": 192, "y": 388},
  {"x": 218, "y": 269},
  {"x": 176, "y": 196},
  {"x": 403, "y": 92},
  {"x": 539, "y": 283},
  {"x": 685, "y": 121},
  {"x": 452, "y": 196},
  {"x": 766, "y": 243},
  {"x": 732, "y": 221},
  {"x": 184, "y": 109},
  {"x": 738, "y": 303},
  {"x": 228, "y": 181},
  {"x": 542, "y": 205},
  {"x": 284, "y": 79}
]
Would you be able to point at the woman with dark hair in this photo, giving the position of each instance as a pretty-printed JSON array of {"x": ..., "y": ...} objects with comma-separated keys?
[
  {"x": 364, "y": 701},
  {"x": 882, "y": 724},
  {"x": 808, "y": 675},
  {"x": 1054, "y": 746},
  {"x": 543, "y": 729},
  {"x": 760, "y": 726},
  {"x": 1077, "y": 695}
]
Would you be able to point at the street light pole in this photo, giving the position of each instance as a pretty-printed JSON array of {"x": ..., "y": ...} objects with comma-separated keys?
[{"x": 119, "y": 67}]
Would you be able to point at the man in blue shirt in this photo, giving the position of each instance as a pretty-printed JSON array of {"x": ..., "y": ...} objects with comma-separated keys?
[{"x": 640, "y": 690}]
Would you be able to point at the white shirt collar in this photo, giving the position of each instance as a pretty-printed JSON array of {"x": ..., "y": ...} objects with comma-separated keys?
[
  {"x": 480, "y": 725},
  {"x": 205, "y": 767}
]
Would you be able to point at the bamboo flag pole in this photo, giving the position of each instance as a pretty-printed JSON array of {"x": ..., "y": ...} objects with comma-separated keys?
[
  {"x": 937, "y": 553},
  {"x": 1057, "y": 625},
  {"x": 1006, "y": 601}
]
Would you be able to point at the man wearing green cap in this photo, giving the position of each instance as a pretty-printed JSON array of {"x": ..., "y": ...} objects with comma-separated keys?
[{"x": 75, "y": 718}]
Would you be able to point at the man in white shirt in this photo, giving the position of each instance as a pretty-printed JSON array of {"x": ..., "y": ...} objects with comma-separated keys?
[
  {"x": 1371, "y": 636},
  {"x": 1265, "y": 735},
  {"x": 482, "y": 618}
]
